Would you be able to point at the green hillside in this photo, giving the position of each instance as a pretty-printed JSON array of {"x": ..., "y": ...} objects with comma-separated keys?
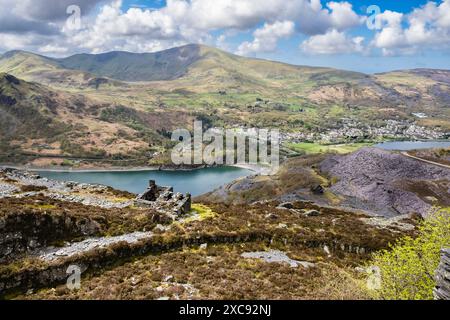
[
  {"x": 27, "y": 111},
  {"x": 32, "y": 67},
  {"x": 187, "y": 71},
  {"x": 39, "y": 122},
  {"x": 126, "y": 66},
  {"x": 201, "y": 69},
  {"x": 122, "y": 103}
]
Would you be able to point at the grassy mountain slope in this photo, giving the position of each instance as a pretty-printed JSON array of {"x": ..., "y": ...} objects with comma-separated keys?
[
  {"x": 218, "y": 70},
  {"x": 57, "y": 125},
  {"x": 126, "y": 66},
  {"x": 193, "y": 63},
  {"x": 33, "y": 67},
  {"x": 22, "y": 106},
  {"x": 200, "y": 69},
  {"x": 169, "y": 89}
]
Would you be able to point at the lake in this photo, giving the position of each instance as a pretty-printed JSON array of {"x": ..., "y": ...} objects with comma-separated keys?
[
  {"x": 195, "y": 182},
  {"x": 412, "y": 145}
]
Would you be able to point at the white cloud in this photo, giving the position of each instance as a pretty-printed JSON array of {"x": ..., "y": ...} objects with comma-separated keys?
[
  {"x": 240, "y": 14},
  {"x": 427, "y": 27},
  {"x": 49, "y": 10},
  {"x": 137, "y": 29},
  {"x": 333, "y": 42},
  {"x": 221, "y": 42},
  {"x": 178, "y": 22},
  {"x": 342, "y": 16},
  {"x": 12, "y": 42},
  {"x": 182, "y": 21},
  {"x": 55, "y": 49},
  {"x": 391, "y": 34},
  {"x": 266, "y": 38},
  {"x": 312, "y": 19}
]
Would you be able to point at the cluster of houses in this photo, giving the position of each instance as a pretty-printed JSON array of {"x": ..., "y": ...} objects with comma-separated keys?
[{"x": 350, "y": 129}]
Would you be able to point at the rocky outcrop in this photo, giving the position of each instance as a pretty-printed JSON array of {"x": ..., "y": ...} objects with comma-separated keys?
[
  {"x": 442, "y": 290},
  {"x": 12, "y": 181},
  {"x": 276, "y": 256},
  {"x": 22, "y": 232},
  {"x": 72, "y": 249}
]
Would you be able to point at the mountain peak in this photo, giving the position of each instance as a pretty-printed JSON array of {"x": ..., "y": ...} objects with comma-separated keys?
[
  {"x": 13, "y": 53},
  {"x": 127, "y": 66}
]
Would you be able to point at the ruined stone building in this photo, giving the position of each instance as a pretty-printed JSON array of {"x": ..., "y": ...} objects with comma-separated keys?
[{"x": 164, "y": 200}]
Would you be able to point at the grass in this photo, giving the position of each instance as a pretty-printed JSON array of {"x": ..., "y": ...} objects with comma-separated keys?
[
  {"x": 203, "y": 212},
  {"x": 220, "y": 87},
  {"x": 316, "y": 148},
  {"x": 110, "y": 221},
  {"x": 219, "y": 272},
  {"x": 41, "y": 206}
]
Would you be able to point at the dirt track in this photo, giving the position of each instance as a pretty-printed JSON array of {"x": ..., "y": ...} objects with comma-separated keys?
[{"x": 406, "y": 154}]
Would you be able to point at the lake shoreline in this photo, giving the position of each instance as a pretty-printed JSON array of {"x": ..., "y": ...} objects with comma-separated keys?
[
  {"x": 195, "y": 182},
  {"x": 257, "y": 169}
]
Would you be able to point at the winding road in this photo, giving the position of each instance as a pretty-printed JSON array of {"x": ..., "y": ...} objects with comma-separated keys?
[{"x": 406, "y": 154}]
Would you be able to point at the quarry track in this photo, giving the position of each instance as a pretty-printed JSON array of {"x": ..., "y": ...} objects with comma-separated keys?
[
  {"x": 406, "y": 154},
  {"x": 51, "y": 254}
]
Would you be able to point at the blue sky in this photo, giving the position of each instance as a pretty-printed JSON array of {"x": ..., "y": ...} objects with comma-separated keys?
[{"x": 334, "y": 33}]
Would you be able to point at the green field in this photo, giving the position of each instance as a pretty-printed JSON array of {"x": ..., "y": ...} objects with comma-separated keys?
[{"x": 315, "y": 148}]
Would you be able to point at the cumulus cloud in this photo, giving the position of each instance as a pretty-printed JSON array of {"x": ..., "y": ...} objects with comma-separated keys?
[
  {"x": 185, "y": 21},
  {"x": 315, "y": 19},
  {"x": 55, "y": 49},
  {"x": 312, "y": 19},
  {"x": 342, "y": 16},
  {"x": 266, "y": 38},
  {"x": 33, "y": 24},
  {"x": 244, "y": 14},
  {"x": 178, "y": 22},
  {"x": 49, "y": 10},
  {"x": 424, "y": 28},
  {"x": 38, "y": 16},
  {"x": 139, "y": 30},
  {"x": 40, "y": 25},
  {"x": 333, "y": 42}
]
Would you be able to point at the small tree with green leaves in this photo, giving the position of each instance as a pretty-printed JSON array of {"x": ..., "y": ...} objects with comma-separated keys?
[{"x": 408, "y": 268}]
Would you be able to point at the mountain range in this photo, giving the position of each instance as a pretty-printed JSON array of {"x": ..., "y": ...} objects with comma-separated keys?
[{"x": 134, "y": 99}]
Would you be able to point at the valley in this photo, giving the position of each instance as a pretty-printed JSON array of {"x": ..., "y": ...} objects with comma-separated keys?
[
  {"x": 341, "y": 201},
  {"x": 98, "y": 115}
]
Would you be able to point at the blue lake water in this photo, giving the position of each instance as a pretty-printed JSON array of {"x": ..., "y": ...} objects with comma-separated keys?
[
  {"x": 196, "y": 181},
  {"x": 412, "y": 145}
]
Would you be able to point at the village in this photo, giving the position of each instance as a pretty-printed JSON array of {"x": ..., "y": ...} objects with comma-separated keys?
[{"x": 353, "y": 130}]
